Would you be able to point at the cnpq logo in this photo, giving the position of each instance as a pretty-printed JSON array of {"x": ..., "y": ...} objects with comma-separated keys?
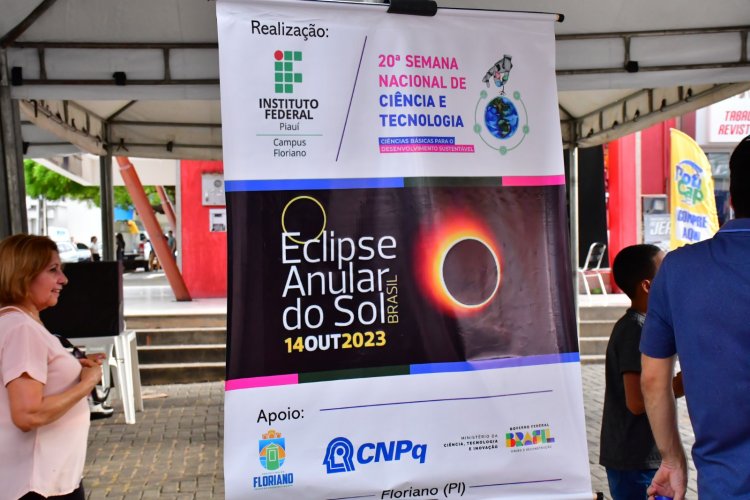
[
  {"x": 689, "y": 178},
  {"x": 272, "y": 455},
  {"x": 341, "y": 454}
]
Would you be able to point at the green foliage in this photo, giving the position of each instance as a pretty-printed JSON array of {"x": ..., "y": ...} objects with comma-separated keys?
[{"x": 42, "y": 182}]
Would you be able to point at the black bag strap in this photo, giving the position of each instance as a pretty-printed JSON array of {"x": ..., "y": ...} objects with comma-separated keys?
[
  {"x": 75, "y": 351},
  {"x": 69, "y": 345}
]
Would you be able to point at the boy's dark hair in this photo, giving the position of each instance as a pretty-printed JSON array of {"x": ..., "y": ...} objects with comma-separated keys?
[
  {"x": 632, "y": 265},
  {"x": 739, "y": 178}
]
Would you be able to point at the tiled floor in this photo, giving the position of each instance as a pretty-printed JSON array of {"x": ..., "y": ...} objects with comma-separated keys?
[{"x": 593, "y": 400}]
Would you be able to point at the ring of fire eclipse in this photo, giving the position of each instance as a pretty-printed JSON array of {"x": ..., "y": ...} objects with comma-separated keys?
[
  {"x": 459, "y": 264},
  {"x": 447, "y": 289}
]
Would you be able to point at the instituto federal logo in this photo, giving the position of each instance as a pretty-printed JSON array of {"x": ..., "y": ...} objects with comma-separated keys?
[
  {"x": 496, "y": 116},
  {"x": 284, "y": 75},
  {"x": 341, "y": 454},
  {"x": 272, "y": 450}
]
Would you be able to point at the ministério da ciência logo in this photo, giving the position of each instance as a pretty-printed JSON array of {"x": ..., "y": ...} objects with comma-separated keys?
[{"x": 496, "y": 117}]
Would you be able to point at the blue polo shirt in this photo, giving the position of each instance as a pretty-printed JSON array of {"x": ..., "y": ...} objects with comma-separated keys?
[{"x": 699, "y": 309}]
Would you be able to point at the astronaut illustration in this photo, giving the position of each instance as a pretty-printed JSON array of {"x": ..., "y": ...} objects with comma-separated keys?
[{"x": 499, "y": 72}]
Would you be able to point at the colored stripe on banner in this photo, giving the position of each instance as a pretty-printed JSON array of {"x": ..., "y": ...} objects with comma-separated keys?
[
  {"x": 534, "y": 180},
  {"x": 269, "y": 381},
  {"x": 490, "y": 364},
  {"x": 385, "y": 371},
  {"x": 313, "y": 184},
  {"x": 390, "y": 371},
  {"x": 452, "y": 182},
  {"x": 391, "y": 182}
]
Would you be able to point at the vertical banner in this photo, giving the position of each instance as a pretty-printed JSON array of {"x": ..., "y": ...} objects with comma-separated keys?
[
  {"x": 401, "y": 319},
  {"x": 692, "y": 203}
]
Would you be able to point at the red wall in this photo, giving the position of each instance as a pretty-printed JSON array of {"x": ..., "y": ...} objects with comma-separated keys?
[
  {"x": 204, "y": 254},
  {"x": 655, "y": 157},
  {"x": 623, "y": 189},
  {"x": 623, "y": 195}
]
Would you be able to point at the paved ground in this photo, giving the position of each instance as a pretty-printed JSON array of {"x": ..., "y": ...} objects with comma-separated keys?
[
  {"x": 173, "y": 452},
  {"x": 593, "y": 400},
  {"x": 175, "y": 449}
]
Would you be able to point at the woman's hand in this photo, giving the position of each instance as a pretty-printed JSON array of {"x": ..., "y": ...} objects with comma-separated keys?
[
  {"x": 98, "y": 357},
  {"x": 91, "y": 371}
]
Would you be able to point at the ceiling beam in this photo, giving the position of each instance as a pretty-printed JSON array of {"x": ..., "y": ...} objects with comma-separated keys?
[
  {"x": 120, "y": 111},
  {"x": 45, "y": 119},
  {"x": 639, "y": 111},
  {"x": 10, "y": 37}
]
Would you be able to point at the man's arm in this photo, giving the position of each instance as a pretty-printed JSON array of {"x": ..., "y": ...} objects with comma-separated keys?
[{"x": 656, "y": 383}]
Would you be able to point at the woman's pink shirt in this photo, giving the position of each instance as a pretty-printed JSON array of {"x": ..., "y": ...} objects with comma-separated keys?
[{"x": 47, "y": 460}]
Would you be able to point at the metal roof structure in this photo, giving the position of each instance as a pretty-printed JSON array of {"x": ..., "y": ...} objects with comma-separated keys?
[{"x": 143, "y": 75}]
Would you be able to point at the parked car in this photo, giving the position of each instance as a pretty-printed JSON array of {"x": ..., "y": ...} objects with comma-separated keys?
[
  {"x": 84, "y": 252},
  {"x": 68, "y": 252}
]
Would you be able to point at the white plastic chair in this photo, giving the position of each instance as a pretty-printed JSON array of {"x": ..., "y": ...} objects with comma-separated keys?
[{"x": 592, "y": 266}]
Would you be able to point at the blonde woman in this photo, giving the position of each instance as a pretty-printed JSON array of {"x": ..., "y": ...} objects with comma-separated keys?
[{"x": 44, "y": 416}]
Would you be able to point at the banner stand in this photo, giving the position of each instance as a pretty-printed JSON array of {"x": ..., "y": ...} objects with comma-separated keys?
[
  {"x": 401, "y": 320},
  {"x": 413, "y": 7}
]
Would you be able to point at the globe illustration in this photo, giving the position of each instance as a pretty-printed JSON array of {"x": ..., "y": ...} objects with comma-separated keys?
[{"x": 501, "y": 117}]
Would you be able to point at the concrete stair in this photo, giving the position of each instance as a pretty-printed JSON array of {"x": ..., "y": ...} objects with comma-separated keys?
[
  {"x": 175, "y": 349},
  {"x": 180, "y": 348},
  {"x": 594, "y": 330}
]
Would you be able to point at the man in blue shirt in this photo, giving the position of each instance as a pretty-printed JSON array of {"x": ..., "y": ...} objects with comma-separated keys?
[{"x": 699, "y": 309}]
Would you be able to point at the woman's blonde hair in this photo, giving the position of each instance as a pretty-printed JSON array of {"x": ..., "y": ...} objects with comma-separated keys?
[{"x": 22, "y": 258}]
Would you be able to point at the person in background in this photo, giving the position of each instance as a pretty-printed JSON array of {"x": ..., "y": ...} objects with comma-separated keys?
[
  {"x": 628, "y": 450},
  {"x": 698, "y": 310},
  {"x": 44, "y": 416},
  {"x": 94, "y": 247},
  {"x": 120, "y": 247},
  {"x": 172, "y": 242}
]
